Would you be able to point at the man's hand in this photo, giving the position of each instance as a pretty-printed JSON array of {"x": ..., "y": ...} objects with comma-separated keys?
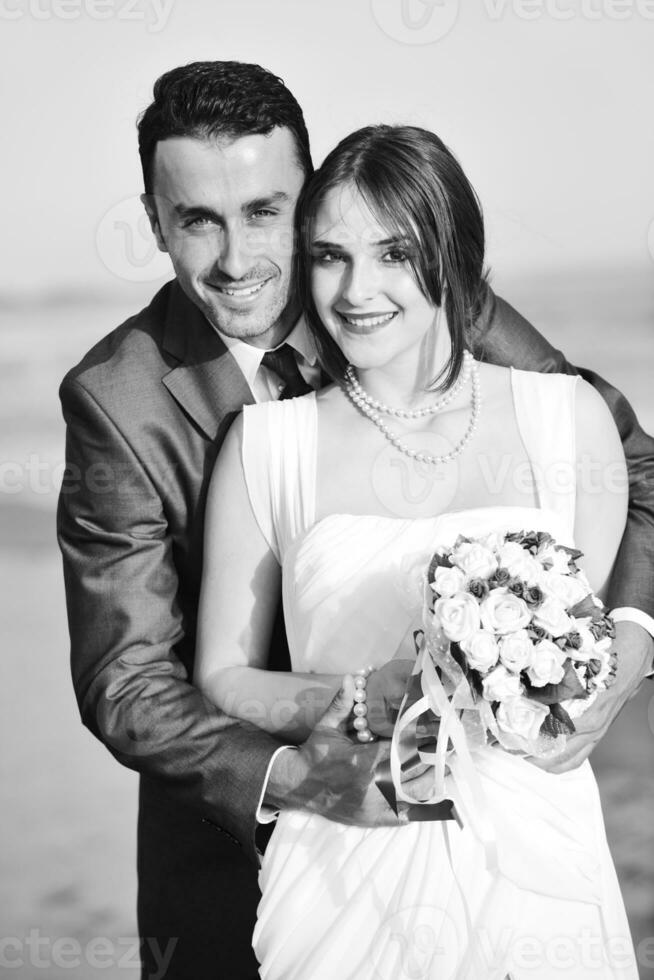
[
  {"x": 332, "y": 774},
  {"x": 385, "y": 690},
  {"x": 635, "y": 649}
]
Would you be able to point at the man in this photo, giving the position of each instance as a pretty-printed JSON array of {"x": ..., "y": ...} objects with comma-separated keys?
[{"x": 225, "y": 153}]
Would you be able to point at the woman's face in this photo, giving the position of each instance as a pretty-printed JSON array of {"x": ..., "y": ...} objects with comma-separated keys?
[{"x": 363, "y": 286}]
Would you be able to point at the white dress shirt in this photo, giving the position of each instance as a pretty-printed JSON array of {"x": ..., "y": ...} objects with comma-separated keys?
[{"x": 264, "y": 383}]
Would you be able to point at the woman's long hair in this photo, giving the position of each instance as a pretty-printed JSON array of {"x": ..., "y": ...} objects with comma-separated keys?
[{"x": 417, "y": 190}]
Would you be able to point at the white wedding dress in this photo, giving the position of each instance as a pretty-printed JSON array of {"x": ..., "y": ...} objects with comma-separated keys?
[{"x": 418, "y": 901}]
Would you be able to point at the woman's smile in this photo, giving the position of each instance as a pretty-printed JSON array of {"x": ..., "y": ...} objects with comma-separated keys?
[{"x": 364, "y": 323}]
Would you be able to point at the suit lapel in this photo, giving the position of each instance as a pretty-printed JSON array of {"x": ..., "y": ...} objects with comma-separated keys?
[{"x": 207, "y": 383}]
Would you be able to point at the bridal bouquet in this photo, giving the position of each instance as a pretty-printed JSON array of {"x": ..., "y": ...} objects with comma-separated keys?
[
  {"x": 517, "y": 615},
  {"x": 514, "y": 647}
]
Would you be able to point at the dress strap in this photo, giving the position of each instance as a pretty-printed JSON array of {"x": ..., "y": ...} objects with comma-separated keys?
[
  {"x": 545, "y": 412},
  {"x": 279, "y": 463}
]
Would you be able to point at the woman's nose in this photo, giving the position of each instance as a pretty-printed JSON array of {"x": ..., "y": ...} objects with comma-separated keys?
[{"x": 361, "y": 283}]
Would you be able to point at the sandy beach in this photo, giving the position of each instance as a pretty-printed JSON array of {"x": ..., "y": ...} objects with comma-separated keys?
[{"x": 67, "y": 878}]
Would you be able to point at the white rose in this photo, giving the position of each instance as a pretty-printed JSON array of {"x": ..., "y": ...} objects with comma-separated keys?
[
  {"x": 587, "y": 648},
  {"x": 603, "y": 655},
  {"x": 447, "y": 581},
  {"x": 515, "y": 650},
  {"x": 501, "y": 685},
  {"x": 481, "y": 650},
  {"x": 566, "y": 588},
  {"x": 503, "y": 612},
  {"x": 576, "y": 707},
  {"x": 546, "y": 665},
  {"x": 493, "y": 541},
  {"x": 474, "y": 559},
  {"x": 458, "y": 615},
  {"x": 557, "y": 557},
  {"x": 552, "y": 617},
  {"x": 520, "y": 563},
  {"x": 522, "y": 716}
]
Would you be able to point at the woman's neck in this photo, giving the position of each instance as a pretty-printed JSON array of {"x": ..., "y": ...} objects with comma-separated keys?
[{"x": 405, "y": 381}]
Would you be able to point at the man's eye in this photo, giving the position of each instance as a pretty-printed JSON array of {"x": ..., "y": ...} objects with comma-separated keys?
[
  {"x": 199, "y": 222},
  {"x": 264, "y": 213}
]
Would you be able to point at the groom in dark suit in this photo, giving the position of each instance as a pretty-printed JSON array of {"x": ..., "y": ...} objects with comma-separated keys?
[{"x": 225, "y": 153}]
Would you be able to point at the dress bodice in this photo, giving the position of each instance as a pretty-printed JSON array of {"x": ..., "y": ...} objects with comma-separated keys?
[
  {"x": 352, "y": 584},
  {"x": 353, "y": 590}
]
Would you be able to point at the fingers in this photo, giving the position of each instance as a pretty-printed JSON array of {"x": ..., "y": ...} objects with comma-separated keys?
[
  {"x": 420, "y": 787},
  {"x": 339, "y": 710}
]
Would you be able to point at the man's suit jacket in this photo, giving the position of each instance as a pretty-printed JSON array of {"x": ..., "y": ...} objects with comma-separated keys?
[{"x": 146, "y": 411}]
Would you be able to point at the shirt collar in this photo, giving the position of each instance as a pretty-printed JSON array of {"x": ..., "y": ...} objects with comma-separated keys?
[{"x": 249, "y": 358}]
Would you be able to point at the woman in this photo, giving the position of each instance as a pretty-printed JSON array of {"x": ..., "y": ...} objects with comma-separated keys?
[{"x": 338, "y": 501}]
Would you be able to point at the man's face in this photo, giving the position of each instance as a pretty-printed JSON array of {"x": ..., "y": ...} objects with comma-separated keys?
[{"x": 223, "y": 210}]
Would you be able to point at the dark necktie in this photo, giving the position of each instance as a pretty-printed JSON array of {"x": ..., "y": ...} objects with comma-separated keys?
[{"x": 282, "y": 362}]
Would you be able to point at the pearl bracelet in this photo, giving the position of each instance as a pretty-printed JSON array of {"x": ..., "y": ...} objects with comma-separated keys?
[{"x": 360, "y": 705}]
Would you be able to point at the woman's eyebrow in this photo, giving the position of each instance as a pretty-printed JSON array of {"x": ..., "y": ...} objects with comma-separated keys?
[{"x": 379, "y": 243}]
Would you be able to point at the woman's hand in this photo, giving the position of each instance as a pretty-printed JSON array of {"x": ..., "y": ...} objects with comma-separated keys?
[{"x": 633, "y": 646}]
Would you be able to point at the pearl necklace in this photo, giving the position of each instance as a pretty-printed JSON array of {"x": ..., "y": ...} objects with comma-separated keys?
[
  {"x": 362, "y": 400},
  {"x": 404, "y": 413}
]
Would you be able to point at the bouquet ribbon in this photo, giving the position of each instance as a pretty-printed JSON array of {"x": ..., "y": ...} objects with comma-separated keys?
[{"x": 427, "y": 697}]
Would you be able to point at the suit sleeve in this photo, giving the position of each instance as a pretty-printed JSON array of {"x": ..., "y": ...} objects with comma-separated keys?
[
  {"x": 121, "y": 587},
  {"x": 504, "y": 337}
]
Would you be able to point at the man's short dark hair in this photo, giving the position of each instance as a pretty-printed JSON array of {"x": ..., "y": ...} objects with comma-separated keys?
[{"x": 214, "y": 99}]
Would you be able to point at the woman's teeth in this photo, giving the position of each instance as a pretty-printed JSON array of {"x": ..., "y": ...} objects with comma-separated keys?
[{"x": 368, "y": 321}]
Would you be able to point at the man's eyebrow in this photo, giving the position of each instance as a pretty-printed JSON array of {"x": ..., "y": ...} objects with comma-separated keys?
[
  {"x": 202, "y": 211},
  {"x": 196, "y": 211},
  {"x": 277, "y": 197}
]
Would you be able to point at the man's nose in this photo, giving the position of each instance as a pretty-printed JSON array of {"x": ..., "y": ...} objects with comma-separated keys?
[
  {"x": 235, "y": 255},
  {"x": 361, "y": 282}
]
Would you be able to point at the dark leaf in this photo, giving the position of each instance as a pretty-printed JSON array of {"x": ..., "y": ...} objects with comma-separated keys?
[
  {"x": 568, "y": 687},
  {"x": 438, "y": 561},
  {"x": 558, "y": 722},
  {"x": 586, "y": 607}
]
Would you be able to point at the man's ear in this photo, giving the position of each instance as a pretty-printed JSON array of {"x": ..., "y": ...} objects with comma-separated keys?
[{"x": 149, "y": 202}]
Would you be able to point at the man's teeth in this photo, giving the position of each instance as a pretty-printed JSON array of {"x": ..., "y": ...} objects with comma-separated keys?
[
  {"x": 250, "y": 291},
  {"x": 368, "y": 321}
]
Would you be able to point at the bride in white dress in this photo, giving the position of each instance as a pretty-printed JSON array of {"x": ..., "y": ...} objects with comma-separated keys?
[{"x": 315, "y": 498}]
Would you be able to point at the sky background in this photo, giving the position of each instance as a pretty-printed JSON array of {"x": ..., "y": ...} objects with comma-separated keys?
[{"x": 547, "y": 103}]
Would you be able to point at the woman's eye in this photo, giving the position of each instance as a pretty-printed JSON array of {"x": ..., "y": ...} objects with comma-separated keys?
[
  {"x": 328, "y": 258},
  {"x": 395, "y": 255}
]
